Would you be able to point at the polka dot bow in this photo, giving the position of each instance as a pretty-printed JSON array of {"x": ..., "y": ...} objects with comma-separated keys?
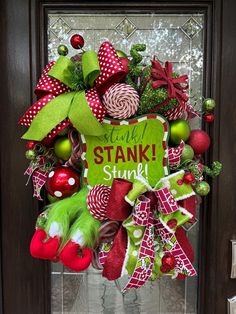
[{"x": 60, "y": 105}]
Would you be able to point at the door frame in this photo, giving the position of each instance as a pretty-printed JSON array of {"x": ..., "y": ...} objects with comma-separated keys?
[{"x": 23, "y": 36}]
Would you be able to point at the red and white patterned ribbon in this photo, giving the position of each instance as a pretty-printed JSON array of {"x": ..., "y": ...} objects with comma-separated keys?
[
  {"x": 143, "y": 216},
  {"x": 175, "y": 154}
]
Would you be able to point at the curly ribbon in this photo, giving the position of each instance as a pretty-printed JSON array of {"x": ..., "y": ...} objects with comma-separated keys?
[
  {"x": 76, "y": 149},
  {"x": 73, "y": 106}
]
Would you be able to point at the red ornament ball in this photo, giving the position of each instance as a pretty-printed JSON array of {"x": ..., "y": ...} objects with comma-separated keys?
[
  {"x": 189, "y": 178},
  {"x": 77, "y": 41},
  {"x": 62, "y": 182},
  {"x": 125, "y": 62},
  {"x": 30, "y": 145},
  {"x": 209, "y": 117},
  {"x": 168, "y": 260},
  {"x": 200, "y": 141}
]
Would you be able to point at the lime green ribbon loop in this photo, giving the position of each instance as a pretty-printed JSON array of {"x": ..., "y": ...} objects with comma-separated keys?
[
  {"x": 63, "y": 71},
  {"x": 90, "y": 67}
]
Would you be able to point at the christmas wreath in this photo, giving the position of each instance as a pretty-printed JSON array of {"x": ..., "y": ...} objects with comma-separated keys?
[{"x": 110, "y": 138}]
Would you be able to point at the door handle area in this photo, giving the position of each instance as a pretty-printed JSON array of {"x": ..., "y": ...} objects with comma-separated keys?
[
  {"x": 233, "y": 263},
  {"x": 231, "y": 305}
]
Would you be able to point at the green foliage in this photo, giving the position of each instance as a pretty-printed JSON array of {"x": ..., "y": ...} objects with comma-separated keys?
[
  {"x": 151, "y": 97},
  {"x": 77, "y": 77},
  {"x": 135, "y": 68}
]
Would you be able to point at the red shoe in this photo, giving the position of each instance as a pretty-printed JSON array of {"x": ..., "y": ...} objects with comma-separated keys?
[
  {"x": 70, "y": 258},
  {"x": 42, "y": 248}
]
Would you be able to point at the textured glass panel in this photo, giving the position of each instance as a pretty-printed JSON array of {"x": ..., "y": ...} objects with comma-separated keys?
[{"x": 179, "y": 39}]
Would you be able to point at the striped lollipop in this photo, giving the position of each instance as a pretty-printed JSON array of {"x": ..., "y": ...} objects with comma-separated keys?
[
  {"x": 97, "y": 201},
  {"x": 121, "y": 101}
]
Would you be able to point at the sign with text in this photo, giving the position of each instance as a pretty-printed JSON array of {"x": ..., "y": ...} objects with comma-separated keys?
[{"x": 128, "y": 148}]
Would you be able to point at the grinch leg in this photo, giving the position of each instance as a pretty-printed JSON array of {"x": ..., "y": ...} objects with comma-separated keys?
[
  {"x": 50, "y": 235},
  {"x": 83, "y": 235}
]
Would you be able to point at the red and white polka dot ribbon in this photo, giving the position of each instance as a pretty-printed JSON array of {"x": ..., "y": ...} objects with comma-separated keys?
[
  {"x": 47, "y": 88},
  {"x": 112, "y": 70}
]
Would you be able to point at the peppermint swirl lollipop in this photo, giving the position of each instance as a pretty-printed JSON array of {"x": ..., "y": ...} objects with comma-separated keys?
[
  {"x": 121, "y": 101},
  {"x": 97, "y": 201}
]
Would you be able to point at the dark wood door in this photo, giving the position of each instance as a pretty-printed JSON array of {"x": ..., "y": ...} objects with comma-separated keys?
[{"x": 25, "y": 284}]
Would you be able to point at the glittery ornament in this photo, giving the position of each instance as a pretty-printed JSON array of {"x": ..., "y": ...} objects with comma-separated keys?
[
  {"x": 168, "y": 260},
  {"x": 30, "y": 154},
  {"x": 202, "y": 188},
  {"x": 189, "y": 178},
  {"x": 62, "y": 50},
  {"x": 208, "y": 104},
  {"x": 209, "y": 117},
  {"x": 187, "y": 153},
  {"x": 30, "y": 144},
  {"x": 199, "y": 140},
  {"x": 77, "y": 41}
]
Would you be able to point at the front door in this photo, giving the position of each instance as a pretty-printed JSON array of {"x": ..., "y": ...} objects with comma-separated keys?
[{"x": 198, "y": 38}]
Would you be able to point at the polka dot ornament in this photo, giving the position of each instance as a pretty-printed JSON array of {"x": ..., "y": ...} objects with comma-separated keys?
[
  {"x": 121, "y": 101},
  {"x": 112, "y": 70},
  {"x": 97, "y": 201},
  {"x": 95, "y": 104}
]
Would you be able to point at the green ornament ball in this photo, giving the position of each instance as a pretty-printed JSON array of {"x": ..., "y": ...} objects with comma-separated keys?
[
  {"x": 188, "y": 153},
  {"x": 51, "y": 198},
  {"x": 208, "y": 104},
  {"x": 202, "y": 188},
  {"x": 179, "y": 130},
  {"x": 62, "y": 50},
  {"x": 63, "y": 148},
  {"x": 30, "y": 154},
  {"x": 121, "y": 53}
]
